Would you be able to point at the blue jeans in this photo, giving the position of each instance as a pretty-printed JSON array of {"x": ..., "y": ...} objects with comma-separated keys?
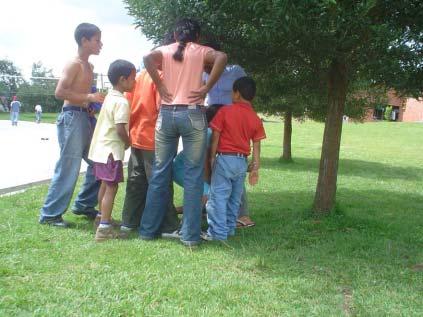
[
  {"x": 74, "y": 135},
  {"x": 14, "y": 117},
  {"x": 172, "y": 123},
  {"x": 227, "y": 185},
  {"x": 37, "y": 116}
]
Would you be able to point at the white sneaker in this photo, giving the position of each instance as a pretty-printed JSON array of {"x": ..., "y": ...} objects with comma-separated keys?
[
  {"x": 171, "y": 235},
  {"x": 205, "y": 236}
]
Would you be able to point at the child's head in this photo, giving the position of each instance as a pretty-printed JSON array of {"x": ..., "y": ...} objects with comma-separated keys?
[
  {"x": 186, "y": 30},
  {"x": 88, "y": 35},
  {"x": 121, "y": 74},
  {"x": 244, "y": 89},
  {"x": 211, "y": 111}
]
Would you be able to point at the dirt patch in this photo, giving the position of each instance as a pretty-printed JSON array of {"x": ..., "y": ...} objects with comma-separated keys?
[
  {"x": 417, "y": 267},
  {"x": 347, "y": 304}
]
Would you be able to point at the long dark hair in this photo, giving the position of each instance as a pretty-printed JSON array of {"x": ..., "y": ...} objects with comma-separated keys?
[{"x": 186, "y": 30}]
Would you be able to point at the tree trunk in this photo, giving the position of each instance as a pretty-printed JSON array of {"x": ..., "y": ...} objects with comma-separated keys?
[
  {"x": 287, "y": 136},
  {"x": 324, "y": 200}
]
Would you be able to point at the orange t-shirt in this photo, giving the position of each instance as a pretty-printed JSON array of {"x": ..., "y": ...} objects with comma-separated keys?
[
  {"x": 144, "y": 101},
  {"x": 180, "y": 78}
]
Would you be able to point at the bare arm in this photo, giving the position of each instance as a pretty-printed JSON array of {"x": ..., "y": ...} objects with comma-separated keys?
[
  {"x": 122, "y": 133},
  {"x": 152, "y": 61},
  {"x": 213, "y": 146},
  {"x": 207, "y": 170},
  {"x": 218, "y": 60},
  {"x": 254, "y": 166},
  {"x": 64, "y": 87}
]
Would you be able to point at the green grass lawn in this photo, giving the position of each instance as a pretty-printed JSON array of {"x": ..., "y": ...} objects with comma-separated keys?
[
  {"x": 364, "y": 260},
  {"x": 28, "y": 116}
]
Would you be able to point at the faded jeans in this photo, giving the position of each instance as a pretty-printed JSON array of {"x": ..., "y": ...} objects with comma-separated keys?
[
  {"x": 74, "y": 135},
  {"x": 190, "y": 124},
  {"x": 226, "y": 188}
]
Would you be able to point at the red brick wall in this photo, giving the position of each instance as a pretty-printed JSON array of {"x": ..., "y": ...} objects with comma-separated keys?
[{"x": 413, "y": 111}]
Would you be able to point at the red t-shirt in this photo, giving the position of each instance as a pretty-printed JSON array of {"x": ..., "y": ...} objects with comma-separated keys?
[{"x": 237, "y": 124}]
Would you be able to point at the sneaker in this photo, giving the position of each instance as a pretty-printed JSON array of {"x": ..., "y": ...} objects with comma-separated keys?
[
  {"x": 55, "y": 222},
  {"x": 171, "y": 235},
  {"x": 126, "y": 228},
  {"x": 205, "y": 236},
  {"x": 89, "y": 213},
  {"x": 103, "y": 234}
]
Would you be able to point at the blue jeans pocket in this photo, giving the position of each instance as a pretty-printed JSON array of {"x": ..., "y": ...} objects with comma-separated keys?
[
  {"x": 60, "y": 119},
  {"x": 197, "y": 119},
  {"x": 68, "y": 117}
]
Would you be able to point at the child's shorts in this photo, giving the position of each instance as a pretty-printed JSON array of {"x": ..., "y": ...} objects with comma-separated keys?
[{"x": 111, "y": 172}]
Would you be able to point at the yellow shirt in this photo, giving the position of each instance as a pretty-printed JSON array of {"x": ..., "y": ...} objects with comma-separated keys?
[{"x": 105, "y": 139}]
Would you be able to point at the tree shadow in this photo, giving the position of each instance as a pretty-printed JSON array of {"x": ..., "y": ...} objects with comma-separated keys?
[
  {"x": 364, "y": 231},
  {"x": 358, "y": 168}
]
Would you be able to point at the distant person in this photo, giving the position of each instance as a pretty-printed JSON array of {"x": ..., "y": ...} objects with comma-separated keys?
[
  {"x": 234, "y": 127},
  {"x": 38, "y": 112},
  {"x": 181, "y": 115},
  {"x": 74, "y": 133},
  {"x": 15, "y": 107},
  {"x": 110, "y": 140}
]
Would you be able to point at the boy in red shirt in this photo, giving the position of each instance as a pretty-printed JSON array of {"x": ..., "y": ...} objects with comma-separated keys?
[{"x": 233, "y": 129}]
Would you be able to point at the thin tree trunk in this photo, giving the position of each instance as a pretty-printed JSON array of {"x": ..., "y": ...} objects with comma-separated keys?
[
  {"x": 287, "y": 137},
  {"x": 324, "y": 200}
]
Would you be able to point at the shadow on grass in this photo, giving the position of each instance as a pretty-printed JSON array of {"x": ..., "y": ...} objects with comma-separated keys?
[
  {"x": 365, "y": 169},
  {"x": 367, "y": 232}
]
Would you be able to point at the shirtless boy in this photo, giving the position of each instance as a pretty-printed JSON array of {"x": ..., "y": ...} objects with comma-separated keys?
[{"x": 74, "y": 133}]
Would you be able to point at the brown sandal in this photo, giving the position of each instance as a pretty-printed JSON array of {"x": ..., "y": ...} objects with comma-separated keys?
[{"x": 245, "y": 222}]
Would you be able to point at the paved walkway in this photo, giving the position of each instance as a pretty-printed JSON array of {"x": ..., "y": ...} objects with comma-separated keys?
[{"x": 29, "y": 153}]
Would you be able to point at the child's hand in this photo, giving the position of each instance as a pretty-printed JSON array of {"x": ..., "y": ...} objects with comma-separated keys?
[
  {"x": 96, "y": 97},
  {"x": 253, "y": 177}
]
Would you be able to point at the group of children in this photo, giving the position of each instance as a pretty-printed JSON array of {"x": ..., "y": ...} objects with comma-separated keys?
[{"x": 163, "y": 102}]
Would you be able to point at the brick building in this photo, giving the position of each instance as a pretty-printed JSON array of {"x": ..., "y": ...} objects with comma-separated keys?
[{"x": 404, "y": 109}]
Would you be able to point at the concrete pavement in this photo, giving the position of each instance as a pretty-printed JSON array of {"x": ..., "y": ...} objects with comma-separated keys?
[{"x": 28, "y": 154}]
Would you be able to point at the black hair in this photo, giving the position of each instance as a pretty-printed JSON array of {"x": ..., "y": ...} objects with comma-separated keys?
[
  {"x": 213, "y": 44},
  {"x": 169, "y": 38},
  {"x": 246, "y": 86},
  {"x": 86, "y": 30},
  {"x": 119, "y": 68},
  {"x": 186, "y": 30},
  {"x": 211, "y": 111}
]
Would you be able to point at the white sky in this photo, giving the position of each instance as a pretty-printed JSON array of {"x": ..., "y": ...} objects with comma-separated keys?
[{"x": 42, "y": 30}]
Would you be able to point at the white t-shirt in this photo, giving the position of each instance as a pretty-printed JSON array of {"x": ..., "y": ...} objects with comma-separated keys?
[{"x": 38, "y": 108}]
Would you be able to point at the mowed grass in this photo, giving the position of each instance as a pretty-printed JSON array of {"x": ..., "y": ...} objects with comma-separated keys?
[
  {"x": 366, "y": 259},
  {"x": 28, "y": 116}
]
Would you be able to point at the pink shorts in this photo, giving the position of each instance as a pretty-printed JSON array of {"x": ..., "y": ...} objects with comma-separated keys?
[{"x": 111, "y": 172}]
